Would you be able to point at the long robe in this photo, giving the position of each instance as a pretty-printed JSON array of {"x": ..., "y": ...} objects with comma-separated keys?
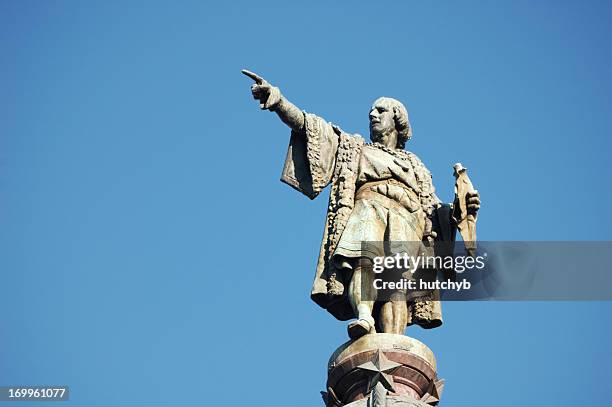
[{"x": 323, "y": 154}]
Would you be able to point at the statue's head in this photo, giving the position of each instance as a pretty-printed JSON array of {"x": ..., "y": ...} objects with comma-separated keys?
[{"x": 389, "y": 123}]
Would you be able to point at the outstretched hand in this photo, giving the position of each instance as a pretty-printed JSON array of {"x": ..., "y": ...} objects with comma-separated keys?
[{"x": 269, "y": 96}]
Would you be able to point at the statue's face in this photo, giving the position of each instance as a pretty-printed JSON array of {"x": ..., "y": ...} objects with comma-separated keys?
[{"x": 382, "y": 125}]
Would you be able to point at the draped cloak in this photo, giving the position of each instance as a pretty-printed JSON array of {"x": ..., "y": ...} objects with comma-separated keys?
[{"x": 321, "y": 155}]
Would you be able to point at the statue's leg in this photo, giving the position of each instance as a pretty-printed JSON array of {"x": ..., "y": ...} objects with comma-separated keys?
[
  {"x": 362, "y": 296},
  {"x": 394, "y": 315}
]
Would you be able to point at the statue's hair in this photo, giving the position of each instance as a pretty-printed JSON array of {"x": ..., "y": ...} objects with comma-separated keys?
[{"x": 400, "y": 117}]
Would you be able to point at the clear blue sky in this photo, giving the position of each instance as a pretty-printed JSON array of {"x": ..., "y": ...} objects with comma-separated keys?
[{"x": 149, "y": 254}]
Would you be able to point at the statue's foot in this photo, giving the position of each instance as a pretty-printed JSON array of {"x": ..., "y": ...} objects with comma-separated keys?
[{"x": 357, "y": 329}]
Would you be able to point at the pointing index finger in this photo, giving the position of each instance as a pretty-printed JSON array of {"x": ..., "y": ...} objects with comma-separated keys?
[{"x": 258, "y": 79}]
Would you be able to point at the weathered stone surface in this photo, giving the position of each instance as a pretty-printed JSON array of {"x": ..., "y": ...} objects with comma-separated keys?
[
  {"x": 379, "y": 192},
  {"x": 463, "y": 218},
  {"x": 382, "y": 341},
  {"x": 380, "y": 367}
]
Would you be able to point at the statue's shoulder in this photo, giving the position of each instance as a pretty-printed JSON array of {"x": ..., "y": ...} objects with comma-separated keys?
[
  {"x": 355, "y": 137},
  {"x": 349, "y": 145},
  {"x": 412, "y": 156},
  {"x": 420, "y": 168}
]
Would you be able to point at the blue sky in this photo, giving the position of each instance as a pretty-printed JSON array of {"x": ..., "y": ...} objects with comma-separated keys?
[{"x": 149, "y": 254}]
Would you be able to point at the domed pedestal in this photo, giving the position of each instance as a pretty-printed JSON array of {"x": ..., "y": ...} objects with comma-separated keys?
[{"x": 382, "y": 369}]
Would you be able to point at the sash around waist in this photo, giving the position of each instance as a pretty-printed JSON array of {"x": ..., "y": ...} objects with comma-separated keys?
[{"x": 390, "y": 192}]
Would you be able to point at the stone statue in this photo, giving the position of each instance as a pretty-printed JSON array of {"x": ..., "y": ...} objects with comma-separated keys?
[{"x": 379, "y": 193}]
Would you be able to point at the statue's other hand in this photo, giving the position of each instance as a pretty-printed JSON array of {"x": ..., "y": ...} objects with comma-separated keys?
[
  {"x": 269, "y": 96},
  {"x": 473, "y": 202}
]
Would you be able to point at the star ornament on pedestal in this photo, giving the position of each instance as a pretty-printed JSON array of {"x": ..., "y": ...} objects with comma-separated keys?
[{"x": 378, "y": 369}]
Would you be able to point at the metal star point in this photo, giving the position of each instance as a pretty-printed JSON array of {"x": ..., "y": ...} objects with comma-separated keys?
[{"x": 378, "y": 369}]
